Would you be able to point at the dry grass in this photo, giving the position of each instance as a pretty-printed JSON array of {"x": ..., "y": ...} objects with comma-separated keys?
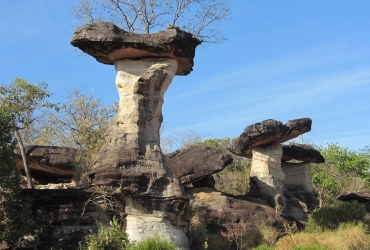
[{"x": 348, "y": 236}]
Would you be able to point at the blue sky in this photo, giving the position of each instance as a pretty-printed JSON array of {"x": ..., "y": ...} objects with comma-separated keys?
[{"x": 283, "y": 60}]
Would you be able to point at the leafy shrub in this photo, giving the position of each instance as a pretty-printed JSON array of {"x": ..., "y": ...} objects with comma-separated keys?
[
  {"x": 331, "y": 216},
  {"x": 113, "y": 239},
  {"x": 155, "y": 243}
]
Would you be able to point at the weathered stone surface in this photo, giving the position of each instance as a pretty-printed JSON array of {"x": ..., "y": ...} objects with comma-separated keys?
[
  {"x": 229, "y": 214},
  {"x": 298, "y": 181},
  {"x": 107, "y": 44},
  {"x": 194, "y": 163},
  {"x": 267, "y": 132},
  {"x": 302, "y": 152},
  {"x": 58, "y": 219},
  {"x": 266, "y": 176},
  {"x": 149, "y": 217},
  {"x": 49, "y": 162},
  {"x": 297, "y": 176},
  {"x": 131, "y": 161}
]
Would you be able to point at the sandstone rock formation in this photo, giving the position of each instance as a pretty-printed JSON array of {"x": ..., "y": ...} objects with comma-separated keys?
[
  {"x": 195, "y": 163},
  {"x": 228, "y": 215},
  {"x": 131, "y": 162},
  {"x": 287, "y": 185},
  {"x": 362, "y": 197},
  {"x": 266, "y": 176}
]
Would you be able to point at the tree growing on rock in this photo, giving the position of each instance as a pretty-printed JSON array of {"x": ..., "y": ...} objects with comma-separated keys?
[
  {"x": 198, "y": 17},
  {"x": 21, "y": 100}
]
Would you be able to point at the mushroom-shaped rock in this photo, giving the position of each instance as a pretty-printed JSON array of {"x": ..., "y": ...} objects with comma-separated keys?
[
  {"x": 363, "y": 196},
  {"x": 49, "y": 162},
  {"x": 107, "y": 43},
  {"x": 195, "y": 163},
  {"x": 268, "y": 132},
  {"x": 302, "y": 152}
]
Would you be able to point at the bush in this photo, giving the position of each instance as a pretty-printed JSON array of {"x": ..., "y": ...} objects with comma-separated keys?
[
  {"x": 331, "y": 216},
  {"x": 198, "y": 234},
  {"x": 113, "y": 239},
  {"x": 155, "y": 243}
]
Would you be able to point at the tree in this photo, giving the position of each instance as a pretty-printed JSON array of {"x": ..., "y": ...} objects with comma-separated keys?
[
  {"x": 81, "y": 122},
  {"x": 198, "y": 17},
  {"x": 344, "y": 170},
  {"x": 15, "y": 215},
  {"x": 21, "y": 99}
]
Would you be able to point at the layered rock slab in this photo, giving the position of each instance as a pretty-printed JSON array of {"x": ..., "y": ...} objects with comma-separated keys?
[
  {"x": 107, "y": 43},
  {"x": 193, "y": 164},
  {"x": 50, "y": 164},
  {"x": 302, "y": 152}
]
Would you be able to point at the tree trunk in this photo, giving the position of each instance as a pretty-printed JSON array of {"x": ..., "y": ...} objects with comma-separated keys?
[{"x": 25, "y": 163}]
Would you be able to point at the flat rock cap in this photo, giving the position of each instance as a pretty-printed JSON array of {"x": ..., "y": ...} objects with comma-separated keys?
[
  {"x": 268, "y": 132},
  {"x": 302, "y": 152},
  {"x": 108, "y": 43}
]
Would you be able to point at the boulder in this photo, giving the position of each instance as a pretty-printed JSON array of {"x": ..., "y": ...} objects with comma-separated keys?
[
  {"x": 267, "y": 132},
  {"x": 229, "y": 215},
  {"x": 107, "y": 43},
  {"x": 302, "y": 152},
  {"x": 195, "y": 163}
]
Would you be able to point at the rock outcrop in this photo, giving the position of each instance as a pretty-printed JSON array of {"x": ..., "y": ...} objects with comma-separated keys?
[
  {"x": 230, "y": 216},
  {"x": 131, "y": 162},
  {"x": 49, "y": 164},
  {"x": 193, "y": 164},
  {"x": 287, "y": 185}
]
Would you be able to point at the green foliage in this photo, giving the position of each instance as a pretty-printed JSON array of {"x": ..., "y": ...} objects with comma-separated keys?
[
  {"x": 112, "y": 239},
  {"x": 234, "y": 179},
  {"x": 15, "y": 214},
  {"x": 343, "y": 171},
  {"x": 154, "y": 243},
  {"x": 331, "y": 216},
  {"x": 22, "y": 98}
]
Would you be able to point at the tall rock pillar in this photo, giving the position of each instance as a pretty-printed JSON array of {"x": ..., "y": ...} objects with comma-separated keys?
[{"x": 130, "y": 164}]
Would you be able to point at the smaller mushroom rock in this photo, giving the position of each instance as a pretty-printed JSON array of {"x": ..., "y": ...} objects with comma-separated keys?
[
  {"x": 268, "y": 132},
  {"x": 302, "y": 152},
  {"x": 194, "y": 163},
  {"x": 107, "y": 43}
]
